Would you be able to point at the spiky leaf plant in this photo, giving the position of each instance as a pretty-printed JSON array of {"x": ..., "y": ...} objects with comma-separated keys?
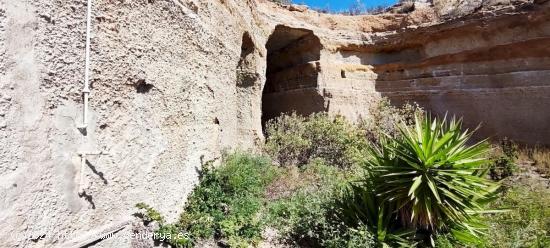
[
  {"x": 432, "y": 177},
  {"x": 359, "y": 206}
]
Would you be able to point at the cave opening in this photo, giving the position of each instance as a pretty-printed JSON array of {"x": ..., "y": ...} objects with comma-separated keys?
[{"x": 292, "y": 72}]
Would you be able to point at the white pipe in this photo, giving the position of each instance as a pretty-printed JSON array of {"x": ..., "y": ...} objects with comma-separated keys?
[
  {"x": 82, "y": 182},
  {"x": 85, "y": 95},
  {"x": 86, "y": 89},
  {"x": 85, "y": 112}
]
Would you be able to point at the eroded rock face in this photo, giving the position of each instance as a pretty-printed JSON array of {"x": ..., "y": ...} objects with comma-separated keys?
[
  {"x": 165, "y": 97},
  {"x": 493, "y": 72},
  {"x": 456, "y": 8},
  {"x": 175, "y": 82},
  {"x": 450, "y": 9},
  {"x": 489, "y": 66}
]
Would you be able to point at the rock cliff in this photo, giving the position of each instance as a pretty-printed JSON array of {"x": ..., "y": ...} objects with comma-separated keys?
[{"x": 489, "y": 65}]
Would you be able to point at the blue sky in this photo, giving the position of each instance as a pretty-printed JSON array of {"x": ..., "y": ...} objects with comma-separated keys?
[{"x": 337, "y": 5}]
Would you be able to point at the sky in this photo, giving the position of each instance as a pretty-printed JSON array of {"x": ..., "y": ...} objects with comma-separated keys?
[{"x": 338, "y": 5}]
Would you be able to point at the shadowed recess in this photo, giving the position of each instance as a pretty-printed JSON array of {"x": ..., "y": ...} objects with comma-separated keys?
[{"x": 292, "y": 70}]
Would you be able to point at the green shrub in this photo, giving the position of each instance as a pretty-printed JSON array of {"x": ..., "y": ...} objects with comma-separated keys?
[
  {"x": 149, "y": 214},
  {"x": 226, "y": 203},
  {"x": 504, "y": 165},
  {"x": 430, "y": 180},
  {"x": 224, "y": 206},
  {"x": 527, "y": 224},
  {"x": 173, "y": 235},
  {"x": 296, "y": 140},
  {"x": 309, "y": 217},
  {"x": 301, "y": 219},
  {"x": 167, "y": 233}
]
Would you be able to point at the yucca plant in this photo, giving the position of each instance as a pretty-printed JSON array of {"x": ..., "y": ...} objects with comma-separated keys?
[
  {"x": 432, "y": 178},
  {"x": 359, "y": 206}
]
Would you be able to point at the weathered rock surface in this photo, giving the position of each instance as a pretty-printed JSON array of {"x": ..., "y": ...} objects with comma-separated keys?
[
  {"x": 494, "y": 72},
  {"x": 491, "y": 67},
  {"x": 176, "y": 82},
  {"x": 164, "y": 99}
]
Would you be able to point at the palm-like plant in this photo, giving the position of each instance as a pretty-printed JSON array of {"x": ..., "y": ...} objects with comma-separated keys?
[
  {"x": 431, "y": 177},
  {"x": 359, "y": 205}
]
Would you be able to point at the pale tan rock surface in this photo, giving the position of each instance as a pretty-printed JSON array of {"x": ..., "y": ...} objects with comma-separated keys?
[
  {"x": 177, "y": 82},
  {"x": 489, "y": 66}
]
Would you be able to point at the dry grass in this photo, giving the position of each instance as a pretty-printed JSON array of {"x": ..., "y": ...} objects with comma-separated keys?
[
  {"x": 309, "y": 178},
  {"x": 538, "y": 158},
  {"x": 290, "y": 180}
]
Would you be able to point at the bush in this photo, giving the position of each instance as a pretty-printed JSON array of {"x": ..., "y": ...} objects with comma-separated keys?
[
  {"x": 226, "y": 203},
  {"x": 167, "y": 233},
  {"x": 430, "y": 180},
  {"x": 297, "y": 140},
  {"x": 504, "y": 165},
  {"x": 310, "y": 217},
  {"x": 224, "y": 206},
  {"x": 149, "y": 215},
  {"x": 302, "y": 219},
  {"x": 384, "y": 119}
]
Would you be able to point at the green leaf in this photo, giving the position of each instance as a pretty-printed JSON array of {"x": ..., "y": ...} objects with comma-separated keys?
[{"x": 417, "y": 181}]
